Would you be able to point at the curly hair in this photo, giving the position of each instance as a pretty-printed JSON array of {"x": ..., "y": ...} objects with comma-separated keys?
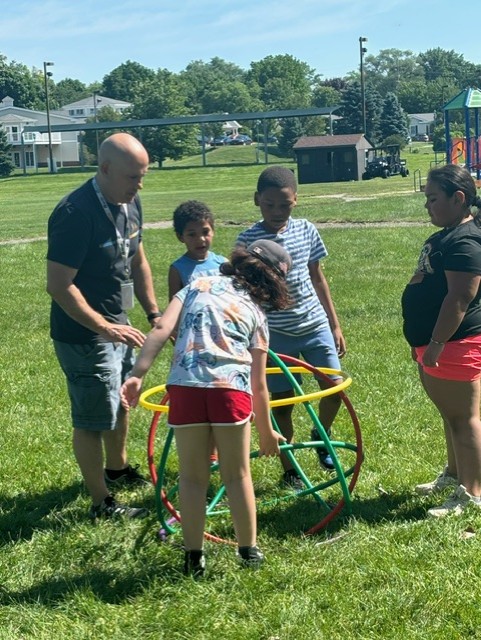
[
  {"x": 263, "y": 284},
  {"x": 191, "y": 211}
]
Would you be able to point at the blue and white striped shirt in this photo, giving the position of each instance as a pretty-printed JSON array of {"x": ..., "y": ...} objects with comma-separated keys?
[{"x": 303, "y": 242}]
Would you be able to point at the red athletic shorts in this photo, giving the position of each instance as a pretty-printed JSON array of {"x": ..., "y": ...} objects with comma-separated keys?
[
  {"x": 459, "y": 360},
  {"x": 201, "y": 406}
]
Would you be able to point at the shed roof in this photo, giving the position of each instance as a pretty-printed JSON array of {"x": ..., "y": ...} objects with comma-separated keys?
[{"x": 315, "y": 142}]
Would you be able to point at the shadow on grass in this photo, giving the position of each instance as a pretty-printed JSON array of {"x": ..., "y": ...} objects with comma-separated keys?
[
  {"x": 299, "y": 515},
  {"x": 107, "y": 586},
  {"x": 23, "y": 514}
]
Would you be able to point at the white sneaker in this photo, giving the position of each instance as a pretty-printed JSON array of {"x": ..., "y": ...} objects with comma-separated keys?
[
  {"x": 443, "y": 481},
  {"x": 455, "y": 504}
]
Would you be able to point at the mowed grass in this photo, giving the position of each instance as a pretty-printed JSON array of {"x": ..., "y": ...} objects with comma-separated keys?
[{"x": 385, "y": 571}]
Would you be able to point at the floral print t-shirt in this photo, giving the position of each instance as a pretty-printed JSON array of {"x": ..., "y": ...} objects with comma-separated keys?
[{"x": 219, "y": 325}]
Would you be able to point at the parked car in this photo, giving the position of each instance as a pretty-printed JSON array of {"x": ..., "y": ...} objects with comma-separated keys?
[
  {"x": 422, "y": 137},
  {"x": 218, "y": 141},
  {"x": 240, "y": 139}
]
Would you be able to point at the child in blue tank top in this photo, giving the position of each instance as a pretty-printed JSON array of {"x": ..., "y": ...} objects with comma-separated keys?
[{"x": 194, "y": 226}]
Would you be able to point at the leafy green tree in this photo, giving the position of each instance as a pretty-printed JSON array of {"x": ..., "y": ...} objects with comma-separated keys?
[
  {"x": 284, "y": 82},
  {"x": 69, "y": 90},
  {"x": 203, "y": 79},
  {"x": 393, "y": 118},
  {"x": 6, "y": 165},
  {"x": 325, "y": 96},
  {"x": 18, "y": 82},
  {"x": 385, "y": 71},
  {"x": 93, "y": 139},
  {"x": 161, "y": 98},
  {"x": 126, "y": 80}
]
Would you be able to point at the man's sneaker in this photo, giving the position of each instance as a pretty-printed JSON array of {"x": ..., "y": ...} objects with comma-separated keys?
[
  {"x": 194, "y": 564},
  {"x": 110, "y": 508},
  {"x": 325, "y": 459},
  {"x": 292, "y": 480},
  {"x": 443, "y": 481},
  {"x": 128, "y": 477},
  {"x": 251, "y": 557},
  {"x": 455, "y": 504}
]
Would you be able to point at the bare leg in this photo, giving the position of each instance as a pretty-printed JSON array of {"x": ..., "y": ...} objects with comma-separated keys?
[
  {"x": 115, "y": 443},
  {"x": 193, "y": 448},
  {"x": 329, "y": 406},
  {"x": 233, "y": 445},
  {"x": 283, "y": 418},
  {"x": 87, "y": 446},
  {"x": 458, "y": 403},
  {"x": 451, "y": 458}
]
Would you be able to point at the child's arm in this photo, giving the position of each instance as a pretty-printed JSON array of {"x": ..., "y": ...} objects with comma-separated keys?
[
  {"x": 321, "y": 287},
  {"x": 174, "y": 282},
  {"x": 269, "y": 439},
  {"x": 154, "y": 342}
]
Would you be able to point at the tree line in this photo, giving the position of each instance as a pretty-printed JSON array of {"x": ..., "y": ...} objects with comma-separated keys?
[{"x": 396, "y": 83}]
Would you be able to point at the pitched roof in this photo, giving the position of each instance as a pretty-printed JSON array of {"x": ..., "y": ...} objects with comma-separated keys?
[{"x": 312, "y": 142}]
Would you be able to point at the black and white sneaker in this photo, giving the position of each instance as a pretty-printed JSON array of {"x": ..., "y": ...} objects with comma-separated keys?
[
  {"x": 194, "y": 563},
  {"x": 251, "y": 557},
  {"x": 128, "y": 477},
  {"x": 291, "y": 479},
  {"x": 110, "y": 508}
]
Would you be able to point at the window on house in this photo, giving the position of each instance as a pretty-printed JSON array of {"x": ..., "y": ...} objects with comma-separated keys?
[
  {"x": 29, "y": 159},
  {"x": 16, "y": 159},
  {"x": 305, "y": 159},
  {"x": 71, "y": 112},
  {"x": 79, "y": 112}
]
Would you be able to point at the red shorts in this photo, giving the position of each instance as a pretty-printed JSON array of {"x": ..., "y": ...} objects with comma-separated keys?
[
  {"x": 459, "y": 360},
  {"x": 203, "y": 406}
]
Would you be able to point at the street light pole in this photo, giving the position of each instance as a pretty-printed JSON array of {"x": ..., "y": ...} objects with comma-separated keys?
[
  {"x": 46, "y": 76},
  {"x": 362, "y": 51},
  {"x": 95, "y": 118}
]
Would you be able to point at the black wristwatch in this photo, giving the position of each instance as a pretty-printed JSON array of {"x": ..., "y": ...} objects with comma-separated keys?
[{"x": 153, "y": 315}]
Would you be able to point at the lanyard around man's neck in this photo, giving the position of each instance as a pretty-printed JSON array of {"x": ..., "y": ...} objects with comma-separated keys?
[{"x": 123, "y": 241}]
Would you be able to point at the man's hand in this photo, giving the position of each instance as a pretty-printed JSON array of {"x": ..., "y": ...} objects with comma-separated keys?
[{"x": 123, "y": 333}]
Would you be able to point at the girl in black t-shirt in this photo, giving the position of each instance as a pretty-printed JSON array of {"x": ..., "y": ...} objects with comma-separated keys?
[{"x": 442, "y": 323}]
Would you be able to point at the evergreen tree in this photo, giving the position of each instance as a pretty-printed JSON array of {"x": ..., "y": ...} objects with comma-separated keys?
[
  {"x": 393, "y": 118},
  {"x": 6, "y": 165}
]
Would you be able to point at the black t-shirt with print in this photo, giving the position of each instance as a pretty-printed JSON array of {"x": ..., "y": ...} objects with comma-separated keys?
[
  {"x": 451, "y": 249},
  {"x": 81, "y": 236}
]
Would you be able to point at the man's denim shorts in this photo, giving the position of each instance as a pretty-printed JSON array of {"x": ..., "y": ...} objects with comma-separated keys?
[
  {"x": 95, "y": 373},
  {"x": 317, "y": 348}
]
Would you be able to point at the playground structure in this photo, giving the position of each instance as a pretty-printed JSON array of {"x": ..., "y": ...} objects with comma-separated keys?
[
  {"x": 465, "y": 150},
  {"x": 347, "y": 457}
]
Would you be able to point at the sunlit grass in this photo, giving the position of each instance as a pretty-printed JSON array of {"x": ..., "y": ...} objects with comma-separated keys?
[{"x": 383, "y": 572}]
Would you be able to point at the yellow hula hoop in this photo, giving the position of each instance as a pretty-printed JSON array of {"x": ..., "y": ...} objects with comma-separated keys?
[{"x": 145, "y": 395}]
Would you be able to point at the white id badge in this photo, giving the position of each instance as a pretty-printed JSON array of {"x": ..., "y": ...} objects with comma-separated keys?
[{"x": 127, "y": 292}]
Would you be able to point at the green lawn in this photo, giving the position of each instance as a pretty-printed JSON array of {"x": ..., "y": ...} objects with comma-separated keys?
[{"x": 383, "y": 572}]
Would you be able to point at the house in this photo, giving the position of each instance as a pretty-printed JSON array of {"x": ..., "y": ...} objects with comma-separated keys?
[
  {"x": 338, "y": 158},
  {"x": 421, "y": 124},
  {"x": 31, "y": 150},
  {"x": 88, "y": 107}
]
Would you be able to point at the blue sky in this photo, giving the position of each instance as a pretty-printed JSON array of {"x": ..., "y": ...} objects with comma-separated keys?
[{"x": 89, "y": 38}]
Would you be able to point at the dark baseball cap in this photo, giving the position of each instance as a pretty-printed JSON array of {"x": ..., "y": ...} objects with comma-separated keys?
[{"x": 272, "y": 254}]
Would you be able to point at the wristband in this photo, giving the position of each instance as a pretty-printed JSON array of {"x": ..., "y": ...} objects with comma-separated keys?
[
  {"x": 437, "y": 342},
  {"x": 153, "y": 315}
]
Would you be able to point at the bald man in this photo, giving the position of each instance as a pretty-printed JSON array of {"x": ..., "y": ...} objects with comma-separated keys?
[{"x": 96, "y": 266}]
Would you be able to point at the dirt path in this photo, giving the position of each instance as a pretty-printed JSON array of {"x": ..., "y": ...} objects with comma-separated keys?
[{"x": 166, "y": 224}]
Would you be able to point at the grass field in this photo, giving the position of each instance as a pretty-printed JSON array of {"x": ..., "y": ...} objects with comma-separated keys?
[{"x": 385, "y": 571}]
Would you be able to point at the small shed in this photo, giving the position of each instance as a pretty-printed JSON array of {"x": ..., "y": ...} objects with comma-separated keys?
[{"x": 331, "y": 158}]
